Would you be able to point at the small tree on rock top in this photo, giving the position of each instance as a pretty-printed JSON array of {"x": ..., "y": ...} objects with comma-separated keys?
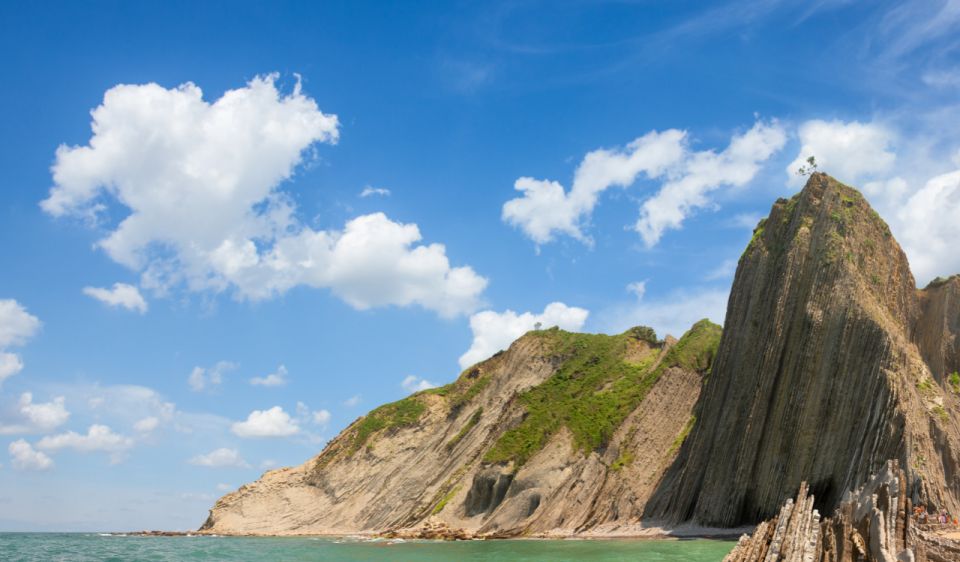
[{"x": 809, "y": 168}]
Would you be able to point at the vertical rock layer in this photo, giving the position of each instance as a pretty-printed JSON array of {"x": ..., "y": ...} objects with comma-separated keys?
[
  {"x": 938, "y": 328},
  {"x": 873, "y": 523},
  {"x": 831, "y": 363}
]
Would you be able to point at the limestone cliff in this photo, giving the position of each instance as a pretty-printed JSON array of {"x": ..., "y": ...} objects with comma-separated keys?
[
  {"x": 563, "y": 433},
  {"x": 831, "y": 363}
]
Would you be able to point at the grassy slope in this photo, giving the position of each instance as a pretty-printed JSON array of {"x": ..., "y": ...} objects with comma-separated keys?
[
  {"x": 595, "y": 389},
  {"x": 591, "y": 393}
]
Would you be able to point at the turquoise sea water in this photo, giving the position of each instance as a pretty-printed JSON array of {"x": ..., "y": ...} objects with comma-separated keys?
[{"x": 85, "y": 546}]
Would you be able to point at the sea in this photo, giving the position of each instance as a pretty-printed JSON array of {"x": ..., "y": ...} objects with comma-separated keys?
[{"x": 48, "y": 547}]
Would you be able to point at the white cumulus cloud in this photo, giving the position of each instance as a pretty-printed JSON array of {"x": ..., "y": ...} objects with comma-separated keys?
[
  {"x": 10, "y": 364},
  {"x": 24, "y": 457},
  {"x": 200, "y": 183},
  {"x": 220, "y": 458},
  {"x": 849, "y": 151},
  {"x": 700, "y": 173},
  {"x": 928, "y": 224},
  {"x": 546, "y": 209},
  {"x": 278, "y": 378},
  {"x": 413, "y": 383},
  {"x": 99, "y": 438},
  {"x": 266, "y": 423},
  {"x": 494, "y": 331},
  {"x": 372, "y": 262},
  {"x": 37, "y": 417},
  {"x": 17, "y": 326},
  {"x": 121, "y": 295}
]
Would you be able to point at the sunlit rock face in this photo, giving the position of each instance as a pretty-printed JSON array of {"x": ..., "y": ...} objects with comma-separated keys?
[{"x": 831, "y": 364}]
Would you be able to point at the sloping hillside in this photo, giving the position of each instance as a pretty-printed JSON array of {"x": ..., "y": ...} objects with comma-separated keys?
[{"x": 561, "y": 433}]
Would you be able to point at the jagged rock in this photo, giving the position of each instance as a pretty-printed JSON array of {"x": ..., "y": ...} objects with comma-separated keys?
[
  {"x": 831, "y": 363},
  {"x": 431, "y": 529},
  {"x": 872, "y": 524}
]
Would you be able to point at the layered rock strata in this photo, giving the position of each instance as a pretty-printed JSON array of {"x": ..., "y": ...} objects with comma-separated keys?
[
  {"x": 831, "y": 363},
  {"x": 561, "y": 434},
  {"x": 873, "y": 523}
]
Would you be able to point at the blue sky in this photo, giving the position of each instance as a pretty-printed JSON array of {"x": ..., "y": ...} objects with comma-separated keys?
[{"x": 328, "y": 193}]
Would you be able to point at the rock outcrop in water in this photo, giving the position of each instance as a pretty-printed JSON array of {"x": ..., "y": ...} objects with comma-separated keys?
[
  {"x": 563, "y": 433},
  {"x": 873, "y": 523},
  {"x": 831, "y": 363}
]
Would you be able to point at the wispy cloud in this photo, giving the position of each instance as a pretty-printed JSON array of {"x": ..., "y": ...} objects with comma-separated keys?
[
  {"x": 370, "y": 191},
  {"x": 276, "y": 378},
  {"x": 220, "y": 458},
  {"x": 673, "y": 313},
  {"x": 121, "y": 295},
  {"x": 206, "y": 378}
]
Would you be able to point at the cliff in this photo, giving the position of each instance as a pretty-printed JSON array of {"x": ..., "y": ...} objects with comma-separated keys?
[
  {"x": 563, "y": 433},
  {"x": 831, "y": 363}
]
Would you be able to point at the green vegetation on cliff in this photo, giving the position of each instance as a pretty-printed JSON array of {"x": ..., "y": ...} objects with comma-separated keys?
[
  {"x": 591, "y": 393},
  {"x": 473, "y": 421},
  {"x": 696, "y": 349},
  {"x": 596, "y": 388},
  {"x": 460, "y": 392},
  {"x": 401, "y": 413}
]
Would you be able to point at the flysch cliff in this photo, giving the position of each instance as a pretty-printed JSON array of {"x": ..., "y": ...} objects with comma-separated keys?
[
  {"x": 561, "y": 434},
  {"x": 831, "y": 364}
]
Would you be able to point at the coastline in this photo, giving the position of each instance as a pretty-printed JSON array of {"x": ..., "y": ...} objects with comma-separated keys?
[{"x": 636, "y": 532}]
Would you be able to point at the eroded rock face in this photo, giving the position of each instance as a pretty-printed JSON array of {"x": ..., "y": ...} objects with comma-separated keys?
[
  {"x": 831, "y": 364},
  {"x": 937, "y": 331},
  {"x": 827, "y": 368},
  {"x": 498, "y": 453},
  {"x": 872, "y": 523}
]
